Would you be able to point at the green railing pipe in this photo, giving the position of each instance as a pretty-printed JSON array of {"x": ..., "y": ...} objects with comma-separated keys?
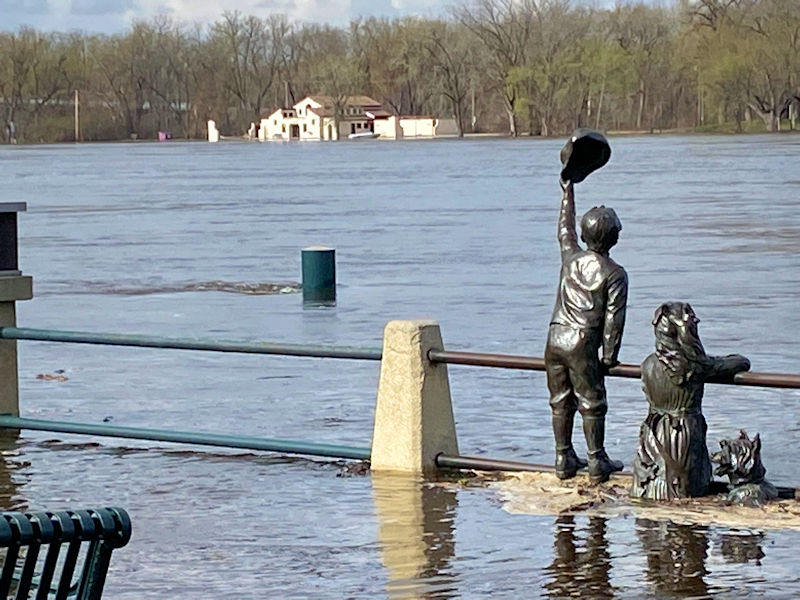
[
  {"x": 154, "y": 341},
  {"x": 187, "y": 437},
  {"x": 478, "y": 359}
]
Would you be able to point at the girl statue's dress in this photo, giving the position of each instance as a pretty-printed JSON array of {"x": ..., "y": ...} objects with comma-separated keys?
[{"x": 672, "y": 460}]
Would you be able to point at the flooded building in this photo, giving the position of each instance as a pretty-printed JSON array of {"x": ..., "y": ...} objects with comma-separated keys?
[{"x": 315, "y": 118}]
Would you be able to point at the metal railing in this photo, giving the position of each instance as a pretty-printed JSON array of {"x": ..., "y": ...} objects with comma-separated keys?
[
  {"x": 154, "y": 341},
  {"x": 477, "y": 359},
  {"x": 773, "y": 380},
  {"x": 188, "y": 437},
  {"x": 530, "y": 363}
]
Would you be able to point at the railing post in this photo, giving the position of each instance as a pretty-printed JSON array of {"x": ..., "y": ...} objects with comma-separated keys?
[
  {"x": 13, "y": 286},
  {"x": 414, "y": 414}
]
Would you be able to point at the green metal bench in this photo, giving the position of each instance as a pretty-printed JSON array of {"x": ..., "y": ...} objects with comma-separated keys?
[{"x": 89, "y": 535}]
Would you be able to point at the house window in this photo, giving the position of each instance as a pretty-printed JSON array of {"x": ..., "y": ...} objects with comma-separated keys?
[
  {"x": 275, "y": 122},
  {"x": 283, "y": 128},
  {"x": 305, "y": 128},
  {"x": 352, "y": 127},
  {"x": 358, "y": 125},
  {"x": 313, "y": 121}
]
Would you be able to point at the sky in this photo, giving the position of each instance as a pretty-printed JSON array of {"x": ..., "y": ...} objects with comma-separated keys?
[{"x": 114, "y": 16}]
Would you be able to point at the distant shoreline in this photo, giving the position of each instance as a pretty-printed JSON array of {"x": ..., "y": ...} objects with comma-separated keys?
[{"x": 467, "y": 136}]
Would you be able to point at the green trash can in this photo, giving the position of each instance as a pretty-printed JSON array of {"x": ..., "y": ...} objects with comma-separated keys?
[{"x": 319, "y": 276}]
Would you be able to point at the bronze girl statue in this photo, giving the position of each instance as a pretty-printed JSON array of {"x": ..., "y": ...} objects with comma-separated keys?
[{"x": 672, "y": 460}]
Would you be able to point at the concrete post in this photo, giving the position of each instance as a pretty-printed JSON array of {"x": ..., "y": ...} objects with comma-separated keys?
[
  {"x": 13, "y": 286},
  {"x": 213, "y": 132},
  {"x": 414, "y": 415}
]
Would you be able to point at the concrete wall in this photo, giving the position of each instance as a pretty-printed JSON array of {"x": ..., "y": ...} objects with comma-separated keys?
[
  {"x": 446, "y": 127},
  {"x": 427, "y": 127},
  {"x": 417, "y": 126},
  {"x": 388, "y": 129}
]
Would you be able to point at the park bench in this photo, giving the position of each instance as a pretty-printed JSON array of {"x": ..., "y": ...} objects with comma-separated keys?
[{"x": 33, "y": 562}]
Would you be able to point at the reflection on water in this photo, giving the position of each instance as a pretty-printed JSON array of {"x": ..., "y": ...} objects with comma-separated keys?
[
  {"x": 581, "y": 561},
  {"x": 9, "y": 490},
  {"x": 676, "y": 557},
  {"x": 415, "y": 533},
  {"x": 742, "y": 547}
]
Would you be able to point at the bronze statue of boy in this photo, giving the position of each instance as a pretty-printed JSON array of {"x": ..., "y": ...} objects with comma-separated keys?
[{"x": 589, "y": 317}]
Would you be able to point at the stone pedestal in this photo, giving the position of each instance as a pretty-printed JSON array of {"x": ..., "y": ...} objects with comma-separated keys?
[
  {"x": 414, "y": 415},
  {"x": 13, "y": 286}
]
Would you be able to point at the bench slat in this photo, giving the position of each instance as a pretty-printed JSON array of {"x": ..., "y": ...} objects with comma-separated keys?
[{"x": 100, "y": 530}]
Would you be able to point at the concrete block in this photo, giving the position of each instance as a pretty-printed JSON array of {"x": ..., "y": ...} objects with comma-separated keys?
[
  {"x": 414, "y": 414},
  {"x": 9, "y": 389},
  {"x": 19, "y": 287}
]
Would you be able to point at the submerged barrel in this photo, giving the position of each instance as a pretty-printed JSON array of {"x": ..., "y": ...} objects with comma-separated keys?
[{"x": 586, "y": 151}]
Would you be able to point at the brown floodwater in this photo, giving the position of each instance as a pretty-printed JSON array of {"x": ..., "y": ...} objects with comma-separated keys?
[{"x": 193, "y": 239}]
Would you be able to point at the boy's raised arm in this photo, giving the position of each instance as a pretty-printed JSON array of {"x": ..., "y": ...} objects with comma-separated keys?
[{"x": 567, "y": 237}]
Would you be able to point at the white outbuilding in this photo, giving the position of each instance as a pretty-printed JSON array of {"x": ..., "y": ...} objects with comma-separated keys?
[{"x": 314, "y": 118}]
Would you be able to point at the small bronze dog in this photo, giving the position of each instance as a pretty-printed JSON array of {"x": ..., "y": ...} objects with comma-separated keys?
[{"x": 740, "y": 460}]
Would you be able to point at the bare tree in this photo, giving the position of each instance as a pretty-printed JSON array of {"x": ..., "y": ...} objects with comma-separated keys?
[
  {"x": 504, "y": 27},
  {"x": 451, "y": 55},
  {"x": 254, "y": 51}
]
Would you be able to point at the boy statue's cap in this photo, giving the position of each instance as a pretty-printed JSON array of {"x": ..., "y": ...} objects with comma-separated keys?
[{"x": 586, "y": 150}]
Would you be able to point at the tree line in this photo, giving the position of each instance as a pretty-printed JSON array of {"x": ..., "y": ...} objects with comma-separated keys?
[{"x": 538, "y": 67}]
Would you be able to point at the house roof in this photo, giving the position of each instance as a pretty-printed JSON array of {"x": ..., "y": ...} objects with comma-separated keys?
[
  {"x": 378, "y": 114},
  {"x": 328, "y": 101},
  {"x": 322, "y": 112},
  {"x": 375, "y": 113},
  {"x": 280, "y": 109}
]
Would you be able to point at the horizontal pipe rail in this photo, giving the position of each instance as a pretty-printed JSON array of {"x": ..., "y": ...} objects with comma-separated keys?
[
  {"x": 531, "y": 363},
  {"x": 506, "y": 361},
  {"x": 185, "y": 437},
  {"x": 490, "y": 464},
  {"x": 153, "y": 341},
  {"x": 284, "y": 446}
]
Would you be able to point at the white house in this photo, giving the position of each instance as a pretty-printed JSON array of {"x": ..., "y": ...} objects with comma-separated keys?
[{"x": 313, "y": 119}]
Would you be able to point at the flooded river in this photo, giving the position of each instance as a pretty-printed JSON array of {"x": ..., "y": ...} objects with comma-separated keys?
[{"x": 161, "y": 238}]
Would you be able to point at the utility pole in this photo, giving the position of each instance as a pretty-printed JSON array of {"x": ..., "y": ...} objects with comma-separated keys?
[
  {"x": 474, "y": 119},
  {"x": 77, "y": 118}
]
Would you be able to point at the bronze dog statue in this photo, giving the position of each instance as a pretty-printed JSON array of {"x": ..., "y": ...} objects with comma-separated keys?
[{"x": 740, "y": 460}]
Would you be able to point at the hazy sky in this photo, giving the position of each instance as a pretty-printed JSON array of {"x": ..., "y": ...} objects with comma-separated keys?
[{"x": 112, "y": 16}]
